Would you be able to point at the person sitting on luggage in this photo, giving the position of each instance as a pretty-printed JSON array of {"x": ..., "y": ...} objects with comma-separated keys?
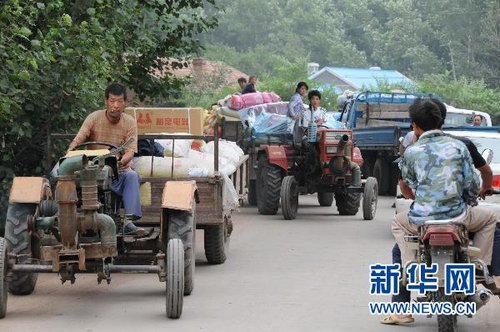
[
  {"x": 251, "y": 86},
  {"x": 242, "y": 82},
  {"x": 296, "y": 105}
]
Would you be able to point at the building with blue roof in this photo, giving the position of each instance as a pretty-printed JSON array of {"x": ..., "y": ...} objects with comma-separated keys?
[{"x": 357, "y": 78}]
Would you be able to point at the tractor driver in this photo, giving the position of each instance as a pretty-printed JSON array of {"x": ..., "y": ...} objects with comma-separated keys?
[
  {"x": 315, "y": 112},
  {"x": 113, "y": 126},
  {"x": 318, "y": 115}
]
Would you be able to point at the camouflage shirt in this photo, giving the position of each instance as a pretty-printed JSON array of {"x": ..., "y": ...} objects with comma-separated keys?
[{"x": 441, "y": 171}]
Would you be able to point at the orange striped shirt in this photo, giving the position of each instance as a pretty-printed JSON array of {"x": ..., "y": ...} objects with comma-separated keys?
[{"x": 97, "y": 127}]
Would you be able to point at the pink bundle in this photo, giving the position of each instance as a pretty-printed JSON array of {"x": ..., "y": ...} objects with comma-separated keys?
[{"x": 238, "y": 102}]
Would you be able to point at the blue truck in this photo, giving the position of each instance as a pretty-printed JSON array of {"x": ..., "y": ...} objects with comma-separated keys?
[{"x": 378, "y": 120}]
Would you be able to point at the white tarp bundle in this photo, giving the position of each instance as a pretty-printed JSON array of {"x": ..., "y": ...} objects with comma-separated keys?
[{"x": 190, "y": 163}]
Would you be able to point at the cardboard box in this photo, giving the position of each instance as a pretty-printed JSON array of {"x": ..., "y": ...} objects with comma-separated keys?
[{"x": 168, "y": 120}]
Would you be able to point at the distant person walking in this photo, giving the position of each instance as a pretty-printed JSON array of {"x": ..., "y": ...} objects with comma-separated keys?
[{"x": 250, "y": 87}]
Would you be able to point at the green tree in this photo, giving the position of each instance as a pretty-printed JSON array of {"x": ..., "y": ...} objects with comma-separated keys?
[
  {"x": 56, "y": 56},
  {"x": 463, "y": 93}
]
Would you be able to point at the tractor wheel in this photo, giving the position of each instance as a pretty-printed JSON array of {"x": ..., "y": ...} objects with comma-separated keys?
[
  {"x": 367, "y": 168},
  {"x": 252, "y": 193},
  {"x": 381, "y": 172},
  {"x": 3, "y": 277},
  {"x": 217, "y": 242},
  {"x": 175, "y": 278},
  {"x": 393, "y": 179},
  {"x": 370, "y": 198},
  {"x": 347, "y": 203},
  {"x": 268, "y": 187},
  {"x": 181, "y": 225},
  {"x": 22, "y": 242},
  {"x": 325, "y": 199},
  {"x": 289, "y": 198}
]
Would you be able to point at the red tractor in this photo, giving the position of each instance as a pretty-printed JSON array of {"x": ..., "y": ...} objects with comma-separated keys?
[{"x": 328, "y": 165}]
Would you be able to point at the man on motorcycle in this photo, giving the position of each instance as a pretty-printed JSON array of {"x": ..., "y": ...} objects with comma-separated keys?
[{"x": 439, "y": 170}]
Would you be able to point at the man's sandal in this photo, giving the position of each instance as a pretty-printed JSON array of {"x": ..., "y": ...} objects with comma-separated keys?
[{"x": 395, "y": 320}]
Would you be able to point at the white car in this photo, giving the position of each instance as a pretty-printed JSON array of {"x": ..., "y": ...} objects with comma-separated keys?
[
  {"x": 462, "y": 117},
  {"x": 483, "y": 141}
]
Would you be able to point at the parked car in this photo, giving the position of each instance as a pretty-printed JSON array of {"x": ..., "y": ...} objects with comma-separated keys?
[{"x": 462, "y": 117}]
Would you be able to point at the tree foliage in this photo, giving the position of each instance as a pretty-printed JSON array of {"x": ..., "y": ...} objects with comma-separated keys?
[
  {"x": 56, "y": 56},
  {"x": 415, "y": 37},
  {"x": 463, "y": 93}
]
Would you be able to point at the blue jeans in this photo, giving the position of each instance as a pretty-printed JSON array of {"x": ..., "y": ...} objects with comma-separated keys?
[
  {"x": 127, "y": 186},
  {"x": 405, "y": 296}
]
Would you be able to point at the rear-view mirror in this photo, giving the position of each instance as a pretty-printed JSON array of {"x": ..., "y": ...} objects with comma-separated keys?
[{"x": 487, "y": 155}]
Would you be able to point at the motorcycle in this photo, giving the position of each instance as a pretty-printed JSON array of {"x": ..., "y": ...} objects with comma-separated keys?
[{"x": 443, "y": 242}]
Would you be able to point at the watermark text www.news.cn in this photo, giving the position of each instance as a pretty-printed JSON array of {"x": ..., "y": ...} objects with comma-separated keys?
[{"x": 458, "y": 278}]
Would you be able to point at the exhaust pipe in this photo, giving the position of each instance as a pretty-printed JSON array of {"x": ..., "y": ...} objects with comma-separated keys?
[
  {"x": 481, "y": 297},
  {"x": 66, "y": 197},
  {"x": 342, "y": 143},
  {"x": 338, "y": 163}
]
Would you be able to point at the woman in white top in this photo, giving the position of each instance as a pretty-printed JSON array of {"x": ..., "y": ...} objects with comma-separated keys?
[{"x": 315, "y": 112}]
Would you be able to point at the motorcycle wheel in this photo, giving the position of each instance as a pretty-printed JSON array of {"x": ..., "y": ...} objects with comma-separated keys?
[{"x": 446, "y": 323}]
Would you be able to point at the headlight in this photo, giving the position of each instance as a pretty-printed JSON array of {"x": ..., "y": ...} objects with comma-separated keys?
[
  {"x": 330, "y": 136},
  {"x": 336, "y": 136},
  {"x": 331, "y": 149}
]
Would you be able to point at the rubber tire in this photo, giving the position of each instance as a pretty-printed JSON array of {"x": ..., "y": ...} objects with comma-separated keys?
[
  {"x": 20, "y": 241},
  {"x": 175, "y": 278},
  {"x": 289, "y": 198},
  {"x": 446, "y": 323},
  {"x": 3, "y": 277},
  {"x": 367, "y": 168},
  {"x": 348, "y": 203},
  {"x": 268, "y": 187},
  {"x": 181, "y": 225},
  {"x": 381, "y": 172},
  {"x": 216, "y": 243},
  {"x": 325, "y": 199},
  {"x": 252, "y": 193},
  {"x": 393, "y": 179},
  {"x": 370, "y": 198}
]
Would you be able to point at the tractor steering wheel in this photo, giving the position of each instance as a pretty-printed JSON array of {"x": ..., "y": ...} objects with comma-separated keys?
[{"x": 110, "y": 145}]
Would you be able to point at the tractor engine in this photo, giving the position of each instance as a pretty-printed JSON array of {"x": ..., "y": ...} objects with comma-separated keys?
[
  {"x": 74, "y": 220},
  {"x": 335, "y": 155}
]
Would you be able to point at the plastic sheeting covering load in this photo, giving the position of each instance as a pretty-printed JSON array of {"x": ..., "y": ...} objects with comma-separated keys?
[
  {"x": 196, "y": 164},
  {"x": 224, "y": 110},
  {"x": 227, "y": 149},
  {"x": 204, "y": 162},
  {"x": 181, "y": 146},
  {"x": 332, "y": 123},
  {"x": 238, "y": 102},
  {"x": 159, "y": 167},
  {"x": 269, "y": 123},
  {"x": 248, "y": 115},
  {"x": 230, "y": 199}
]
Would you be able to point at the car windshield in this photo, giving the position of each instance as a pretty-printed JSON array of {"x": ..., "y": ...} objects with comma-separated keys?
[
  {"x": 492, "y": 143},
  {"x": 460, "y": 119}
]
